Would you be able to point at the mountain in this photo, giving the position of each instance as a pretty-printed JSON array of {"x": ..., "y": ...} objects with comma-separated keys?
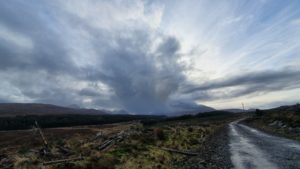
[
  {"x": 74, "y": 106},
  {"x": 121, "y": 111},
  {"x": 238, "y": 110},
  {"x": 192, "y": 110},
  {"x": 215, "y": 113},
  {"x": 14, "y": 109},
  {"x": 295, "y": 107}
]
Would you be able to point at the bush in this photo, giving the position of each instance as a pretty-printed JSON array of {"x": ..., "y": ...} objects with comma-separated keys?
[
  {"x": 190, "y": 129},
  {"x": 159, "y": 134},
  {"x": 107, "y": 162},
  {"x": 23, "y": 150},
  {"x": 258, "y": 112}
]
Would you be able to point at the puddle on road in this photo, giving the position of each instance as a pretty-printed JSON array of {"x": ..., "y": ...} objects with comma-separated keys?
[{"x": 245, "y": 155}]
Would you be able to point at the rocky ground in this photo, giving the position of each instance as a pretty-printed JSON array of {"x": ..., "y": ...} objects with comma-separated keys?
[{"x": 213, "y": 155}]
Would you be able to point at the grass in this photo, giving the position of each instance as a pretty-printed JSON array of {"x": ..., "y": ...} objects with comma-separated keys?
[
  {"x": 141, "y": 149},
  {"x": 185, "y": 135},
  {"x": 288, "y": 115}
]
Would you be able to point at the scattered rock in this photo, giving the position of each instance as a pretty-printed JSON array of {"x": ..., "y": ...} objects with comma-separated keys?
[{"x": 277, "y": 124}]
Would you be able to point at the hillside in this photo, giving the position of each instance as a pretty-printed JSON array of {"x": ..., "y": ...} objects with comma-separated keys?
[
  {"x": 238, "y": 110},
  {"x": 193, "y": 111},
  {"x": 130, "y": 145},
  {"x": 284, "y": 120},
  {"x": 17, "y": 109}
]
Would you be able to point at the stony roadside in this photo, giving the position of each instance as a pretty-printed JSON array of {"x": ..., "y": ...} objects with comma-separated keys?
[{"x": 214, "y": 154}]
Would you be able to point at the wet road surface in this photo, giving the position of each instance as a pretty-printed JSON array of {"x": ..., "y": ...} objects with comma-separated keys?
[{"x": 253, "y": 149}]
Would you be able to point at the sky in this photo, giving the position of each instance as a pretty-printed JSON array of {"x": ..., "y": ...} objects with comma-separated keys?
[{"x": 150, "y": 56}]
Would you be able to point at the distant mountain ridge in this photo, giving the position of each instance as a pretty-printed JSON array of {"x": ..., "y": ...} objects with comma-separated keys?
[
  {"x": 197, "y": 109},
  {"x": 294, "y": 107},
  {"x": 21, "y": 109},
  {"x": 238, "y": 110},
  {"x": 18, "y": 109}
]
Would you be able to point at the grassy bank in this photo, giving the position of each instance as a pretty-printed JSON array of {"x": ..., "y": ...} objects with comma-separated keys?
[
  {"x": 141, "y": 145},
  {"x": 283, "y": 121}
]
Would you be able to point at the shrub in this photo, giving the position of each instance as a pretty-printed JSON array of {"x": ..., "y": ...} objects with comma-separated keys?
[
  {"x": 258, "y": 112},
  {"x": 190, "y": 129},
  {"x": 107, "y": 162},
  {"x": 159, "y": 134}
]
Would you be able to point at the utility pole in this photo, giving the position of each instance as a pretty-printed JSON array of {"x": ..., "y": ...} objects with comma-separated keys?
[{"x": 243, "y": 106}]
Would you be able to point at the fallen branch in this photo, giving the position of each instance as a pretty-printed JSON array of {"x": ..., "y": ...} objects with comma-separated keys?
[
  {"x": 180, "y": 152},
  {"x": 62, "y": 161},
  {"x": 41, "y": 134},
  {"x": 105, "y": 145},
  {"x": 7, "y": 166},
  {"x": 64, "y": 150},
  {"x": 34, "y": 151}
]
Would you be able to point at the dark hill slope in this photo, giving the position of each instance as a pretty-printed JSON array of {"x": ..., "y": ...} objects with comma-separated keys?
[{"x": 19, "y": 109}]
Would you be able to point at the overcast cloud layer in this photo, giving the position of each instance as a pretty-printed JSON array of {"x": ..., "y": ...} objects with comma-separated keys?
[{"x": 150, "y": 56}]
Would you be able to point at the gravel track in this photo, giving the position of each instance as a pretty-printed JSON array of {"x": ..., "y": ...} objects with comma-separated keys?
[
  {"x": 214, "y": 154},
  {"x": 253, "y": 149}
]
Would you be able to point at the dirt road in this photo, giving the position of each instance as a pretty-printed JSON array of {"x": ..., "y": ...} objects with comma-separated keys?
[{"x": 253, "y": 149}]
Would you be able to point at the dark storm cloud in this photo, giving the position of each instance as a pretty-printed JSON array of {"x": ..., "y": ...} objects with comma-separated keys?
[
  {"x": 33, "y": 21},
  {"x": 33, "y": 70},
  {"x": 142, "y": 81},
  {"x": 42, "y": 88},
  {"x": 50, "y": 54},
  {"x": 4, "y": 100},
  {"x": 169, "y": 47},
  {"x": 88, "y": 92},
  {"x": 248, "y": 83},
  {"x": 185, "y": 105}
]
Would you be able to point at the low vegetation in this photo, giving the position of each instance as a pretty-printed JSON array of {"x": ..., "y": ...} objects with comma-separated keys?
[
  {"x": 66, "y": 120},
  {"x": 130, "y": 145},
  {"x": 283, "y": 121}
]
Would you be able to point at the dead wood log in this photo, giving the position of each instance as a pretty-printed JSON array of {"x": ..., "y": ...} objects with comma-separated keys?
[
  {"x": 9, "y": 166},
  {"x": 105, "y": 145},
  {"x": 41, "y": 134},
  {"x": 98, "y": 135},
  {"x": 180, "y": 152},
  {"x": 64, "y": 150},
  {"x": 62, "y": 161},
  {"x": 34, "y": 151}
]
